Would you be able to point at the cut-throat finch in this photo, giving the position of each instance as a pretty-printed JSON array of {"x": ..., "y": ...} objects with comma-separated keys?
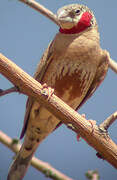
[{"x": 73, "y": 65}]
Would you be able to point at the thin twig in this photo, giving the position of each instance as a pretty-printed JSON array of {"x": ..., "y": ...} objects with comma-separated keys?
[
  {"x": 101, "y": 142},
  {"x": 113, "y": 65},
  {"x": 44, "y": 167},
  {"x": 7, "y": 91},
  {"x": 107, "y": 123},
  {"x": 33, "y": 4}
]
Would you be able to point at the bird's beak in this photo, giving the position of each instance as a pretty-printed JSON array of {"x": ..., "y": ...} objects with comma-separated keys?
[
  {"x": 64, "y": 19},
  {"x": 63, "y": 16},
  {"x": 67, "y": 20}
]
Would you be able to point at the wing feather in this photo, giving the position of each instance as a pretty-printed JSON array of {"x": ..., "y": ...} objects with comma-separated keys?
[
  {"x": 42, "y": 67},
  {"x": 99, "y": 77}
]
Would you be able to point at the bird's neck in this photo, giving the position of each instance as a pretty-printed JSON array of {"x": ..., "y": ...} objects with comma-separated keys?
[{"x": 82, "y": 25}]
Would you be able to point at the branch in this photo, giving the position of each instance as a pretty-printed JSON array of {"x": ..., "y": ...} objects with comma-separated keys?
[
  {"x": 7, "y": 91},
  {"x": 33, "y": 4},
  {"x": 38, "y": 7},
  {"x": 113, "y": 65},
  {"x": 99, "y": 140},
  {"x": 108, "y": 122},
  {"x": 45, "y": 168}
]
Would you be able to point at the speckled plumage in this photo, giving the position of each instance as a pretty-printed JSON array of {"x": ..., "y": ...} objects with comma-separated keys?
[{"x": 74, "y": 65}]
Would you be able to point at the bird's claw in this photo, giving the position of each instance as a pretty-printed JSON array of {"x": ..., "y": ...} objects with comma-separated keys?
[
  {"x": 49, "y": 91},
  {"x": 93, "y": 123}
]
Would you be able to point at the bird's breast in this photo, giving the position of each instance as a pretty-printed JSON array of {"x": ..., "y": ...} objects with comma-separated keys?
[
  {"x": 70, "y": 79},
  {"x": 73, "y": 66}
]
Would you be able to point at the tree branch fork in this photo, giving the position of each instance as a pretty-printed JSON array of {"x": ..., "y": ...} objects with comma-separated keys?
[{"x": 95, "y": 136}]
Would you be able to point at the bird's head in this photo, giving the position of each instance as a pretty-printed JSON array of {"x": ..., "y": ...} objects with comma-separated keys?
[{"x": 75, "y": 18}]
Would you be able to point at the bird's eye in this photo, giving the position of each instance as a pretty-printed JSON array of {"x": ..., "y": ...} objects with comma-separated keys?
[{"x": 77, "y": 11}]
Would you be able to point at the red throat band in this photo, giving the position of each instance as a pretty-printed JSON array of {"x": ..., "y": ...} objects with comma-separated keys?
[{"x": 83, "y": 24}]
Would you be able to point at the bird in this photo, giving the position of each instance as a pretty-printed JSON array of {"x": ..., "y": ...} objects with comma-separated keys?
[{"x": 74, "y": 65}]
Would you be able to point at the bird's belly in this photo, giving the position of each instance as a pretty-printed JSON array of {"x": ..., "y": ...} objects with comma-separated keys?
[{"x": 70, "y": 80}]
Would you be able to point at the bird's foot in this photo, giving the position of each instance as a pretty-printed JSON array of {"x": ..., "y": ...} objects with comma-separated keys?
[
  {"x": 93, "y": 123},
  {"x": 78, "y": 137},
  {"x": 50, "y": 91}
]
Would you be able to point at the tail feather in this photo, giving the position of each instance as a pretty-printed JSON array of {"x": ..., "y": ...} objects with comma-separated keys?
[
  {"x": 40, "y": 126},
  {"x": 19, "y": 167}
]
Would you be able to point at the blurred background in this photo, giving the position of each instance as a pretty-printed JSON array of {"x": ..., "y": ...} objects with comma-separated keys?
[{"x": 24, "y": 35}]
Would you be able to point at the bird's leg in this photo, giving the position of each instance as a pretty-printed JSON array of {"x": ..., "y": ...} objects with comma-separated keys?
[{"x": 49, "y": 90}]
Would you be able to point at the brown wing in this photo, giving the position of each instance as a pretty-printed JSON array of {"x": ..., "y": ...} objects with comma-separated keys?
[
  {"x": 99, "y": 77},
  {"x": 42, "y": 67}
]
